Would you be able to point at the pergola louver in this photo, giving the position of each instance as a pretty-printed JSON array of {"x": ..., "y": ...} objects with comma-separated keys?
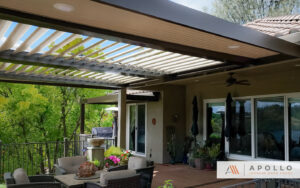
[{"x": 26, "y": 54}]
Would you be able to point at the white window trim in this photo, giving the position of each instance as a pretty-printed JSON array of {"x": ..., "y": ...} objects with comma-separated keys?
[
  {"x": 128, "y": 129},
  {"x": 253, "y": 124}
]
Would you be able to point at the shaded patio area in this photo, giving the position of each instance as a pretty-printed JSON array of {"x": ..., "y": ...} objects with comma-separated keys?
[{"x": 186, "y": 176}]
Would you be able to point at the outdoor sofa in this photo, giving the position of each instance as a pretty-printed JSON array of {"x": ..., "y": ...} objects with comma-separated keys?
[
  {"x": 19, "y": 179},
  {"x": 141, "y": 166},
  {"x": 69, "y": 165},
  {"x": 117, "y": 179}
]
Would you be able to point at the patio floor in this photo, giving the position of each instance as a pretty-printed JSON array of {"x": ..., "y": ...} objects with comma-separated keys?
[{"x": 186, "y": 176}]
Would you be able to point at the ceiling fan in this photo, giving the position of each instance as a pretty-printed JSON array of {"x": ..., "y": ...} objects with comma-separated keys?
[{"x": 233, "y": 81}]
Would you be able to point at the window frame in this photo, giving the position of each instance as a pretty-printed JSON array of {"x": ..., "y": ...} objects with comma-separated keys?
[
  {"x": 136, "y": 124},
  {"x": 252, "y": 98}
]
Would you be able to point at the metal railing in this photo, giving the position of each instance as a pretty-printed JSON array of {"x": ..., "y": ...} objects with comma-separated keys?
[
  {"x": 37, "y": 157},
  {"x": 40, "y": 157},
  {"x": 267, "y": 183}
]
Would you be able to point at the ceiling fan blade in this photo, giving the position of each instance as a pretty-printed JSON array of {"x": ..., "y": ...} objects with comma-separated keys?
[
  {"x": 243, "y": 83},
  {"x": 229, "y": 84}
]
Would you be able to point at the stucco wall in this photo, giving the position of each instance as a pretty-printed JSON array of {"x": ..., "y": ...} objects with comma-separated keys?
[
  {"x": 277, "y": 79},
  {"x": 174, "y": 115},
  {"x": 155, "y": 132}
]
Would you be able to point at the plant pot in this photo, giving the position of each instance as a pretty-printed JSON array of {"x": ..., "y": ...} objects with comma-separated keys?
[
  {"x": 192, "y": 162},
  {"x": 172, "y": 161},
  {"x": 199, "y": 163},
  {"x": 123, "y": 162},
  {"x": 214, "y": 164},
  {"x": 95, "y": 142},
  {"x": 185, "y": 159},
  {"x": 208, "y": 166}
]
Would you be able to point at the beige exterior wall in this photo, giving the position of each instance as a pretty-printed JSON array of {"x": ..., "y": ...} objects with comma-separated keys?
[
  {"x": 278, "y": 79},
  {"x": 174, "y": 116},
  {"x": 155, "y": 132},
  {"x": 168, "y": 111}
]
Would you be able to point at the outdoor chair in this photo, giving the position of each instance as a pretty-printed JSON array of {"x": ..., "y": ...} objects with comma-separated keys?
[
  {"x": 69, "y": 165},
  {"x": 141, "y": 166},
  {"x": 117, "y": 179},
  {"x": 19, "y": 179}
]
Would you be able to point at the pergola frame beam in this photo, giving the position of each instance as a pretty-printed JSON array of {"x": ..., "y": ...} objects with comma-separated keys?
[
  {"x": 94, "y": 66},
  {"x": 36, "y": 78}
]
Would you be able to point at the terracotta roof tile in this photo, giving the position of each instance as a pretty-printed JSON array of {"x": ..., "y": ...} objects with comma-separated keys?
[{"x": 276, "y": 26}]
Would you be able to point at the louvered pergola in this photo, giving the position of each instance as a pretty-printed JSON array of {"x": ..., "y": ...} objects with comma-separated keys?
[{"x": 34, "y": 53}]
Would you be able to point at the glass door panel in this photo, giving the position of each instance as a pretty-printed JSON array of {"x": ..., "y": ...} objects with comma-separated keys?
[
  {"x": 141, "y": 129},
  {"x": 240, "y": 142},
  {"x": 294, "y": 128},
  {"x": 132, "y": 126},
  {"x": 270, "y": 127}
]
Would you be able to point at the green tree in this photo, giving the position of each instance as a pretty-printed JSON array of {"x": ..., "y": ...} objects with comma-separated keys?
[
  {"x": 241, "y": 11},
  {"x": 35, "y": 113}
]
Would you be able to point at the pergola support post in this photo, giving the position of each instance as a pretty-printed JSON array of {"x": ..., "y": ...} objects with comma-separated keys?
[
  {"x": 122, "y": 118},
  {"x": 82, "y": 117}
]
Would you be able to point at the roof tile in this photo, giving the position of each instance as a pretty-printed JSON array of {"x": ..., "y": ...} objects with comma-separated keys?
[{"x": 276, "y": 26}]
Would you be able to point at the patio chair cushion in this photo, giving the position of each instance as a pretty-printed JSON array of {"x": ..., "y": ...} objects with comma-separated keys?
[
  {"x": 106, "y": 176},
  {"x": 71, "y": 164},
  {"x": 20, "y": 176},
  {"x": 135, "y": 163}
]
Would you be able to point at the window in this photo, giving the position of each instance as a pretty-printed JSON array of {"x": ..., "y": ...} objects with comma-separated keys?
[
  {"x": 270, "y": 127},
  {"x": 294, "y": 128},
  {"x": 137, "y": 128},
  {"x": 262, "y": 127},
  {"x": 241, "y": 127},
  {"x": 215, "y": 120}
]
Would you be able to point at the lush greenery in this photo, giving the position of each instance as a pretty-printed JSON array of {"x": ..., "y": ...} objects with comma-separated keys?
[
  {"x": 116, "y": 156},
  {"x": 117, "y": 151},
  {"x": 241, "y": 11},
  {"x": 33, "y": 113},
  {"x": 47, "y": 114},
  {"x": 167, "y": 184}
]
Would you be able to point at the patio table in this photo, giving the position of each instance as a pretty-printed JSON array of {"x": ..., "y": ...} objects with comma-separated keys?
[{"x": 69, "y": 181}]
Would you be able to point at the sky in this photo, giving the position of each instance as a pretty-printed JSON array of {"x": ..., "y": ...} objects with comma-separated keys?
[{"x": 197, "y": 4}]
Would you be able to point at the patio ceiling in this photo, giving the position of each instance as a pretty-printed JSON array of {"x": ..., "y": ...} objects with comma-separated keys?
[{"x": 122, "y": 45}]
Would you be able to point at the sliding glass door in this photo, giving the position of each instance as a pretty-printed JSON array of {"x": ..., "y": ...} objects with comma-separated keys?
[
  {"x": 270, "y": 137},
  {"x": 294, "y": 128},
  {"x": 262, "y": 127},
  {"x": 240, "y": 142},
  {"x": 137, "y": 128}
]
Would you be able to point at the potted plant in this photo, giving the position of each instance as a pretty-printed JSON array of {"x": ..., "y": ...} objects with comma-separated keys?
[
  {"x": 124, "y": 157},
  {"x": 212, "y": 152},
  {"x": 199, "y": 155},
  {"x": 98, "y": 164},
  {"x": 171, "y": 148},
  {"x": 111, "y": 161},
  {"x": 112, "y": 156},
  {"x": 186, "y": 148}
]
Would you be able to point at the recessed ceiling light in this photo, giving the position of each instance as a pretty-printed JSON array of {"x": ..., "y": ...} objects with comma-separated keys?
[
  {"x": 233, "y": 46},
  {"x": 63, "y": 7}
]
